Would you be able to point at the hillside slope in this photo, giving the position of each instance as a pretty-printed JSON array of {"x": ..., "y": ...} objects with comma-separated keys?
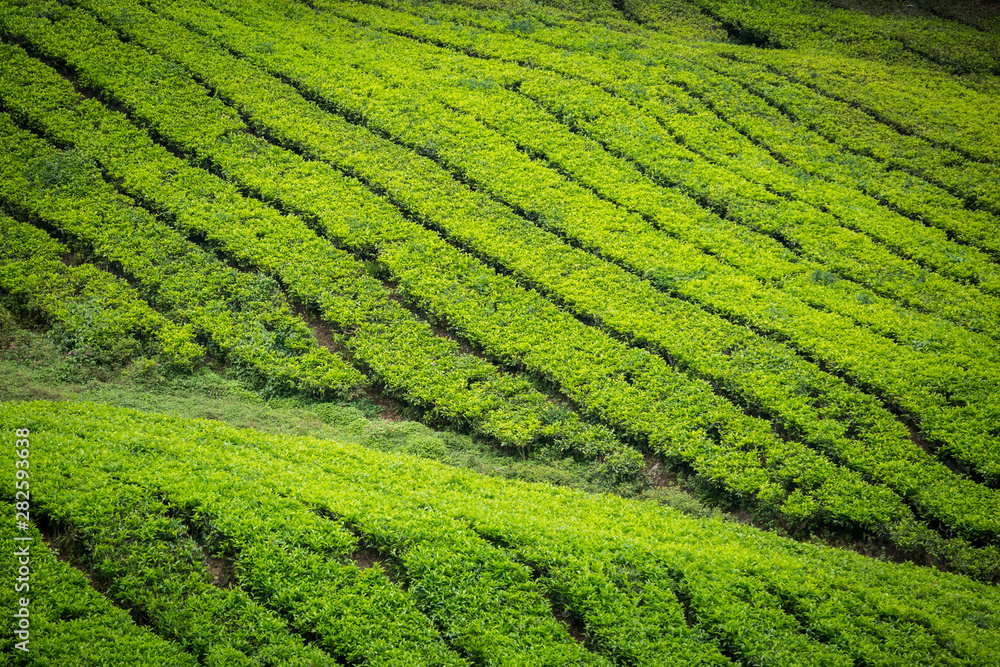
[{"x": 754, "y": 244}]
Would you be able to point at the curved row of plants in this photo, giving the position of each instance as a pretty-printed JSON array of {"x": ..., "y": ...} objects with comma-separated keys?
[
  {"x": 959, "y": 119},
  {"x": 548, "y": 193},
  {"x": 611, "y": 178},
  {"x": 894, "y": 93},
  {"x": 768, "y": 197},
  {"x": 906, "y": 37},
  {"x": 572, "y": 211},
  {"x": 243, "y": 315},
  {"x": 476, "y": 570},
  {"x": 843, "y": 126},
  {"x": 401, "y": 351},
  {"x": 677, "y": 73},
  {"x": 540, "y": 134},
  {"x": 874, "y": 373},
  {"x": 67, "y": 613},
  {"x": 145, "y": 539},
  {"x": 925, "y": 238}
]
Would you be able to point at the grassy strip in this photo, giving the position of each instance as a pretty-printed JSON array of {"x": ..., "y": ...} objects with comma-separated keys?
[{"x": 33, "y": 367}]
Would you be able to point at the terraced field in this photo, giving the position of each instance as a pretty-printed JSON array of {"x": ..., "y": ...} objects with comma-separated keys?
[{"x": 751, "y": 244}]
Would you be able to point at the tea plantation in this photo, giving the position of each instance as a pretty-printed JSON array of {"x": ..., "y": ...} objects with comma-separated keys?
[{"x": 698, "y": 302}]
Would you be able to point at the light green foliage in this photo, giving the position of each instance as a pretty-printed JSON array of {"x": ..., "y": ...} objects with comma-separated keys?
[
  {"x": 509, "y": 181},
  {"x": 644, "y": 411},
  {"x": 907, "y": 37},
  {"x": 471, "y": 570},
  {"x": 868, "y": 360}
]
